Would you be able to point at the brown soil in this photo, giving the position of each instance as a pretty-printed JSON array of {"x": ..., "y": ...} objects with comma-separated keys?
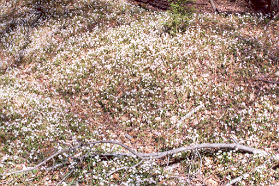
[{"x": 201, "y": 6}]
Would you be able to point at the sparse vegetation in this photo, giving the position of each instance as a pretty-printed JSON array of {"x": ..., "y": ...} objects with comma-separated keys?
[
  {"x": 108, "y": 70},
  {"x": 180, "y": 16}
]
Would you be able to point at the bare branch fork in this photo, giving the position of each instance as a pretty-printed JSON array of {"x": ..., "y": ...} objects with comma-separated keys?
[{"x": 157, "y": 155}]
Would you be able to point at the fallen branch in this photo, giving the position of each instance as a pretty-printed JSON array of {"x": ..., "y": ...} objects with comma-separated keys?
[{"x": 157, "y": 155}]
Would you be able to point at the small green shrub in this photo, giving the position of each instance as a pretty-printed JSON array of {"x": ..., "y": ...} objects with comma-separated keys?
[{"x": 180, "y": 16}]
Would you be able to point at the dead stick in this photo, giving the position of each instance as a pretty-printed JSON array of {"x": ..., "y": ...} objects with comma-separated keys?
[
  {"x": 157, "y": 155},
  {"x": 267, "y": 81},
  {"x": 213, "y": 6}
]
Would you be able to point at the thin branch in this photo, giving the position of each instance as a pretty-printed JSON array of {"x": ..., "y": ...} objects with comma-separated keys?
[
  {"x": 267, "y": 81},
  {"x": 158, "y": 155},
  {"x": 271, "y": 21},
  {"x": 37, "y": 166},
  {"x": 234, "y": 140},
  {"x": 65, "y": 177},
  {"x": 276, "y": 16},
  {"x": 231, "y": 146},
  {"x": 189, "y": 114},
  {"x": 200, "y": 160},
  {"x": 56, "y": 166},
  {"x": 213, "y": 6},
  {"x": 117, "y": 143}
]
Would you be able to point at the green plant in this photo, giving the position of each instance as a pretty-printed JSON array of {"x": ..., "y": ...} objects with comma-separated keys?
[
  {"x": 180, "y": 16},
  {"x": 180, "y": 6}
]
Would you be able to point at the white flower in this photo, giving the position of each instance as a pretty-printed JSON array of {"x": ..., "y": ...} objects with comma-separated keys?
[
  {"x": 157, "y": 119},
  {"x": 173, "y": 119}
]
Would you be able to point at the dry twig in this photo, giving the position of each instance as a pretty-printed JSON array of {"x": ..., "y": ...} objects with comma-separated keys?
[
  {"x": 268, "y": 81},
  {"x": 271, "y": 21},
  {"x": 65, "y": 177},
  {"x": 213, "y": 6}
]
